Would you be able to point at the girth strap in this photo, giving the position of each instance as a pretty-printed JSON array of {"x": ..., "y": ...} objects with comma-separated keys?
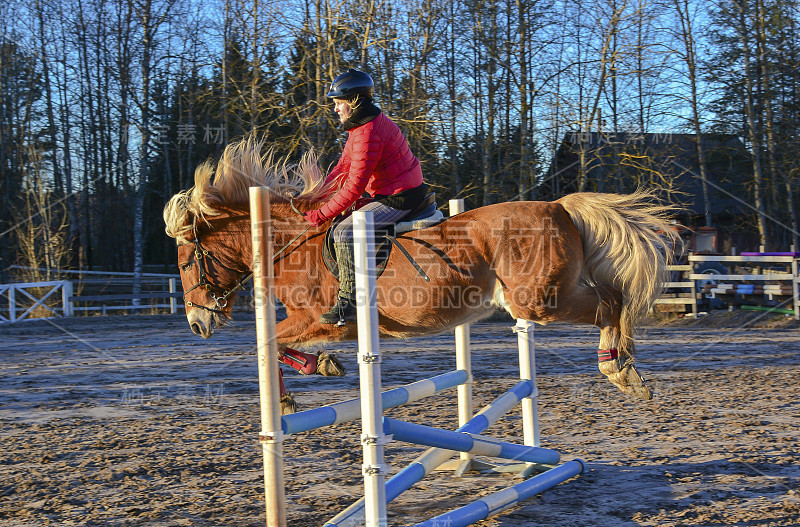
[{"x": 408, "y": 256}]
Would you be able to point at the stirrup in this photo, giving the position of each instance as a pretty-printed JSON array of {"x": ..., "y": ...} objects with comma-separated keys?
[{"x": 342, "y": 313}]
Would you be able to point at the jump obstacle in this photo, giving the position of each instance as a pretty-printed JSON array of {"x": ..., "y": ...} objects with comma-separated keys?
[{"x": 378, "y": 430}]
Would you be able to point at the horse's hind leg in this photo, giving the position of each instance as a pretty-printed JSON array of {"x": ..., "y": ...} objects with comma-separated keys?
[
  {"x": 588, "y": 305},
  {"x": 617, "y": 365}
]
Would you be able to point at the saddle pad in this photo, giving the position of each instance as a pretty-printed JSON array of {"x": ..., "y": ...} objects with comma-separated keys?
[{"x": 420, "y": 223}]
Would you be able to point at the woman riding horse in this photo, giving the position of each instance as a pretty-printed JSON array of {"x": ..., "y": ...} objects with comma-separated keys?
[
  {"x": 376, "y": 160},
  {"x": 586, "y": 258}
]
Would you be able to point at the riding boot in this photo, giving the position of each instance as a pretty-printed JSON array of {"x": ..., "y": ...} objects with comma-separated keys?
[{"x": 344, "y": 311}]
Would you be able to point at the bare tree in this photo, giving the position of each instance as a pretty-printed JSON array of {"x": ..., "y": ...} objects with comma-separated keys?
[
  {"x": 483, "y": 89},
  {"x": 41, "y": 225},
  {"x": 450, "y": 98},
  {"x": 607, "y": 18},
  {"x": 743, "y": 29},
  {"x": 765, "y": 18},
  {"x": 686, "y": 33},
  {"x": 150, "y": 17}
]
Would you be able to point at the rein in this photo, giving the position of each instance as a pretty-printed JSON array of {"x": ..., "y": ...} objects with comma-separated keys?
[{"x": 201, "y": 253}]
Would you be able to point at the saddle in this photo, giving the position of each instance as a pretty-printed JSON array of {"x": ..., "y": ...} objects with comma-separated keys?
[{"x": 424, "y": 215}]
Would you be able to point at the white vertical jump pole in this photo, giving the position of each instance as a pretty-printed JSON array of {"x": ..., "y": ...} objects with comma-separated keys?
[
  {"x": 271, "y": 436},
  {"x": 369, "y": 370},
  {"x": 527, "y": 371},
  {"x": 463, "y": 362}
]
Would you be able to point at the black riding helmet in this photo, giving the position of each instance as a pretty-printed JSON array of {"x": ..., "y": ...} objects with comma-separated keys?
[{"x": 350, "y": 83}]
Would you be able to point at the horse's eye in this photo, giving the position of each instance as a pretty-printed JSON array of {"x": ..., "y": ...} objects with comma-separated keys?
[{"x": 186, "y": 266}]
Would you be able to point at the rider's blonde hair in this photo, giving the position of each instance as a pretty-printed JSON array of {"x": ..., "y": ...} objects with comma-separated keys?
[{"x": 356, "y": 100}]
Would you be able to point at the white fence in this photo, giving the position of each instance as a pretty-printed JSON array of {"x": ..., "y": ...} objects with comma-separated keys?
[
  {"x": 773, "y": 276},
  {"x": 102, "y": 292},
  {"x": 41, "y": 300},
  {"x": 34, "y": 300},
  {"x": 110, "y": 302}
]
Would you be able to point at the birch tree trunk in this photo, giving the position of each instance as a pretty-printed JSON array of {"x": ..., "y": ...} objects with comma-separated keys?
[
  {"x": 58, "y": 182},
  {"x": 145, "y": 14},
  {"x": 451, "y": 65},
  {"x": 150, "y": 20}
]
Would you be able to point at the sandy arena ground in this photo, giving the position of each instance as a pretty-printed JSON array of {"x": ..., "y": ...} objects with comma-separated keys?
[{"x": 135, "y": 421}]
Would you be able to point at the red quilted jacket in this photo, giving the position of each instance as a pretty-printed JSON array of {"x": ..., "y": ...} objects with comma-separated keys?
[{"x": 376, "y": 159}]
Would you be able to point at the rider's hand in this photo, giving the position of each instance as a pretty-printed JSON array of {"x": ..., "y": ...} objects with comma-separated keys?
[
  {"x": 360, "y": 202},
  {"x": 314, "y": 217}
]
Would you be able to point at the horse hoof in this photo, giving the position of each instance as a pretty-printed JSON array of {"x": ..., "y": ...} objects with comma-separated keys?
[
  {"x": 626, "y": 378},
  {"x": 288, "y": 405},
  {"x": 329, "y": 366}
]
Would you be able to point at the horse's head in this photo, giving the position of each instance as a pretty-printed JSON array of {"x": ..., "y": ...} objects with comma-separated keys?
[
  {"x": 210, "y": 223},
  {"x": 214, "y": 264}
]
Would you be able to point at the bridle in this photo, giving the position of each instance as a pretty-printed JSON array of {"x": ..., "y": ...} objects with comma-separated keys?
[{"x": 200, "y": 255}]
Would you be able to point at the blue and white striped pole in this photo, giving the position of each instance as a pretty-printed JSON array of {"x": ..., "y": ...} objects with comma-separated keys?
[
  {"x": 351, "y": 410},
  {"x": 432, "y": 458},
  {"x": 499, "y": 501},
  {"x": 466, "y": 442}
]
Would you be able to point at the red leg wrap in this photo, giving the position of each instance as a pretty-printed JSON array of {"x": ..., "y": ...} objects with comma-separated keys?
[
  {"x": 305, "y": 363},
  {"x": 606, "y": 355},
  {"x": 281, "y": 386}
]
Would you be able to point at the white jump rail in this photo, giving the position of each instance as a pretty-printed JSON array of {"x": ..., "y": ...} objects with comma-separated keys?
[
  {"x": 463, "y": 362},
  {"x": 271, "y": 435},
  {"x": 373, "y": 439},
  {"x": 377, "y": 431}
]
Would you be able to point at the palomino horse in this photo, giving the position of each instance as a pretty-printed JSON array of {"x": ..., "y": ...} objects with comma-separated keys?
[{"x": 589, "y": 258}]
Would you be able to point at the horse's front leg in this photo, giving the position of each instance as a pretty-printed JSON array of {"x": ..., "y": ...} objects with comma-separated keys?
[{"x": 321, "y": 363}]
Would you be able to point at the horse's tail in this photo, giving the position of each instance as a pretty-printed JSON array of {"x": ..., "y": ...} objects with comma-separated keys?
[{"x": 625, "y": 248}]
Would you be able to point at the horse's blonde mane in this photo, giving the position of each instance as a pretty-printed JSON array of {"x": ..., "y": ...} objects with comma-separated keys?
[{"x": 244, "y": 164}]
